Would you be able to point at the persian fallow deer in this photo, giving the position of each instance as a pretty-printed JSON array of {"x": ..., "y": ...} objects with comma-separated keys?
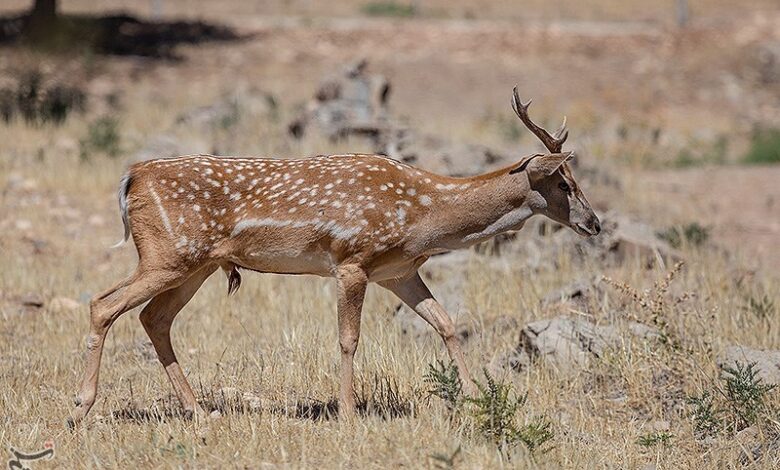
[{"x": 358, "y": 218}]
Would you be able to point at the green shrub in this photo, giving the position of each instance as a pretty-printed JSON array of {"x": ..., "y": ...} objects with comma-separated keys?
[
  {"x": 706, "y": 416},
  {"x": 389, "y": 8},
  {"x": 102, "y": 137},
  {"x": 703, "y": 153},
  {"x": 764, "y": 147},
  {"x": 692, "y": 234},
  {"x": 746, "y": 394},
  {"x": 445, "y": 383},
  {"x": 739, "y": 401},
  {"x": 654, "y": 438},
  {"x": 493, "y": 413},
  {"x": 37, "y": 103}
]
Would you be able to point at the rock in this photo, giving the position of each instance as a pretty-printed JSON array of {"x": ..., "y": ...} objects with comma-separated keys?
[
  {"x": 767, "y": 362},
  {"x": 767, "y": 60},
  {"x": 564, "y": 342},
  {"x": 63, "y": 304},
  {"x": 23, "y": 225},
  {"x": 576, "y": 295},
  {"x": 354, "y": 103},
  {"x": 32, "y": 301},
  {"x": 660, "y": 426},
  {"x": 351, "y": 102},
  {"x": 252, "y": 401}
]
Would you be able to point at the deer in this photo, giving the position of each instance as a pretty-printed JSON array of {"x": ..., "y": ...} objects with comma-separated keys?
[{"x": 358, "y": 218}]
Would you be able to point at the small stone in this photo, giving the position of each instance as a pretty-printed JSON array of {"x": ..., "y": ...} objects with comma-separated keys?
[
  {"x": 32, "y": 300},
  {"x": 23, "y": 225},
  {"x": 216, "y": 414},
  {"x": 660, "y": 426}
]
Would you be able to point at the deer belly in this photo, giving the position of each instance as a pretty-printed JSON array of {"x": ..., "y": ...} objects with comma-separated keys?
[{"x": 287, "y": 261}]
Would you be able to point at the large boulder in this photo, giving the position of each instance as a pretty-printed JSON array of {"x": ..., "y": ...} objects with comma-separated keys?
[{"x": 767, "y": 361}]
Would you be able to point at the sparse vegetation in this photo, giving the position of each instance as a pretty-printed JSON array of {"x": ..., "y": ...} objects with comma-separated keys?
[
  {"x": 703, "y": 153},
  {"x": 445, "y": 383},
  {"x": 102, "y": 137},
  {"x": 655, "y": 305},
  {"x": 764, "y": 147},
  {"x": 653, "y": 439},
  {"x": 493, "y": 412},
  {"x": 37, "y": 102},
  {"x": 692, "y": 234},
  {"x": 739, "y": 400},
  {"x": 389, "y": 8}
]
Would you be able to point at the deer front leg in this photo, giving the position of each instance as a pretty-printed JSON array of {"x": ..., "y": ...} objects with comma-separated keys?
[
  {"x": 414, "y": 293},
  {"x": 352, "y": 281}
]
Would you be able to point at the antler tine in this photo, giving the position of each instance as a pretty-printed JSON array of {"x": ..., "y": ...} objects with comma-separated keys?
[
  {"x": 553, "y": 144},
  {"x": 562, "y": 133}
]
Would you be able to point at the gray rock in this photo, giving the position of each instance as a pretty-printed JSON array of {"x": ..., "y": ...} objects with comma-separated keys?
[
  {"x": 566, "y": 342},
  {"x": 767, "y": 362}
]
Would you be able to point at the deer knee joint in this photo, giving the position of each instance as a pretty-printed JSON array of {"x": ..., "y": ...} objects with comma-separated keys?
[{"x": 348, "y": 344}]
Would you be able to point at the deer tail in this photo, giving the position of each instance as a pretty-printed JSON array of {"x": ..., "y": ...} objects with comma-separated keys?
[{"x": 124, "y": 188}]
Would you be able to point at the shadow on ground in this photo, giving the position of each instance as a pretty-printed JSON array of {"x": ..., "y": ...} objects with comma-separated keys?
[{"x": 119, "y": 34}]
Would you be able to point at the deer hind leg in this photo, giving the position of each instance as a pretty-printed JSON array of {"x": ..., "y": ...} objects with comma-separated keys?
[
  {"x": 352, "y": 282},
  {"x": 105, "y": 308},
  {"x": 157, "y": 318},
  {"x": 414, "y": 293}
]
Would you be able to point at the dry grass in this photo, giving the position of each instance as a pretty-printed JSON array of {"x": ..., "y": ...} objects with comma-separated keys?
[{"x": 276, "y": 339}]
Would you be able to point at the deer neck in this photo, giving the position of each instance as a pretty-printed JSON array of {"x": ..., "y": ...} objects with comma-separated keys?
[{"x": 489, "y": 205}]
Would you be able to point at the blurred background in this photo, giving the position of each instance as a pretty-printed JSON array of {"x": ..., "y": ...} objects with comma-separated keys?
[{"x": 673, "y": 108}]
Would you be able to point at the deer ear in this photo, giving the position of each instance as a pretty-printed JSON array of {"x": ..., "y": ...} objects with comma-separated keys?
[{"x": 546, "y": 165}]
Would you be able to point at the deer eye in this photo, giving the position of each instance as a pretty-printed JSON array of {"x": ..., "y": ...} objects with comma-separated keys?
[{"x": 564, "y": 186}]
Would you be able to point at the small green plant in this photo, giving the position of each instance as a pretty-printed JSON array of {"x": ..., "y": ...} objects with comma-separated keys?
[
  {"x": 536, "y": 433},
  {"x": 655, "y": 438},
  {"x": 445, "y": 383},
  {"x": 764, "y": 147},
  {"x": 746, "y": 393},
  {"x": 103, "y": 137},
  {"x": 495, "y": 411},
  {"x": 739, "y": 401},
  {"x": 692, "y": 234},
  {"x": 706, "y": 416},
  {"x": 389, "y": 8}
]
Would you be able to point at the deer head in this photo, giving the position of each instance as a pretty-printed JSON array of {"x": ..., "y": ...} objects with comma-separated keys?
[{"x": 554, "y": 192}]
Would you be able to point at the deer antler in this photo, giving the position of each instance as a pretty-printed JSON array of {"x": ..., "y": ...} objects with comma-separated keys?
[{"x": 554, "y": 143}]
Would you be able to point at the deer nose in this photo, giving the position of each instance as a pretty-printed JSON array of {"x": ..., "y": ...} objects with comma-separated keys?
[{"x": 597, "y": 227}]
